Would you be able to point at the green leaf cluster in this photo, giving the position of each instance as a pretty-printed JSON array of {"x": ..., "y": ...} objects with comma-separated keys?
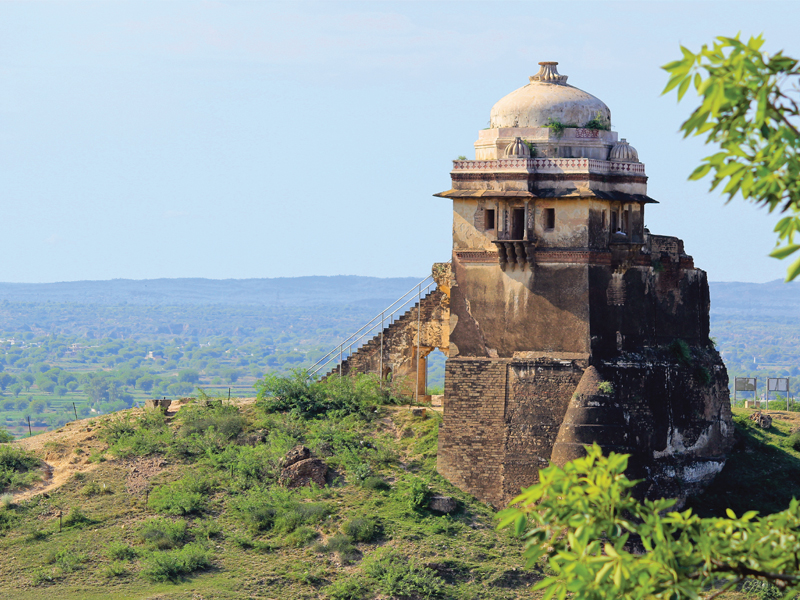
[
  {"x": 749, "y": 108},
  {"x": 583, "y": 519}
]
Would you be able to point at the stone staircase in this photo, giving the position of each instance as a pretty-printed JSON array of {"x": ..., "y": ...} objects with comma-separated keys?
[{"x": 362, "y": 360}]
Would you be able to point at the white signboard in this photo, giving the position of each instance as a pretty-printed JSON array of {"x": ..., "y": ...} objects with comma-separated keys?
[{"x": 778, "y": 384}]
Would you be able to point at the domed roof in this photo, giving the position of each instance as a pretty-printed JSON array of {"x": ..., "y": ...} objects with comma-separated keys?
[
  {"x": 517, "y": 149},
  {"x": 623, "y": 152},
  {"x": 547, "y": 97}
]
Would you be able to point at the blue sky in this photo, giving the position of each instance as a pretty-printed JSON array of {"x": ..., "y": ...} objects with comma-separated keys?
[{"x": 251, "y": 139}]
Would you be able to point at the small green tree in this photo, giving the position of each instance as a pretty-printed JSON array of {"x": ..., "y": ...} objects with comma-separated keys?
[
  {"x": 188, "y": 376},
  {"x": 581, "y": 518},
  {"x": 750, "y": 109}
]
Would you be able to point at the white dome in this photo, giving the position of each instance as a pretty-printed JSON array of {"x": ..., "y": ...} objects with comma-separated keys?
[{"x": 547, "y": 97}]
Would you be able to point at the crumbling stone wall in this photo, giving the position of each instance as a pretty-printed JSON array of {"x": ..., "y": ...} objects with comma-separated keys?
[
  {"x": 635, "y": 321},
  {"x": 430, "y": 318}
]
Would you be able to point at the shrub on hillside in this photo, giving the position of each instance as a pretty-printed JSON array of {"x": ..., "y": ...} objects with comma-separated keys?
[
  {"x": 162, "y": 533},
  {"x": 17, "y": 468},
  {"x": 172, "y": 564},
  {"x": 120, "y": 551},
  {"x": 183, "y": 497},
  {"x": 335, "y": 396},
  {"x": 76, "y": 518},
  {"x": 398, "y": 576},
  {"x": 137, "y": 436},
  {"x": 276, "y": 508},
  {"x": 360, "y": 529},
  {"x": 793, "y": 441},
  {"x": 207, "y": 426},
  {"x": 343, "y": 546}
]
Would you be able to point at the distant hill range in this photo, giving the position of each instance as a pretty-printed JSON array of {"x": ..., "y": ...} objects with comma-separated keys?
[
  {"x": 281, "y": 291},
  {"x": 774, "y": 298}
]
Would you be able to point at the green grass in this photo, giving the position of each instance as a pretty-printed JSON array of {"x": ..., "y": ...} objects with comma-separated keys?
[
  {"x": 242, "y": 535},
  {"x": 762, "y": 472}
]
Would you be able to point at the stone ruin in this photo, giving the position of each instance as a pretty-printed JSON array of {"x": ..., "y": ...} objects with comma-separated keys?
[{"x": 564, "y": 320}]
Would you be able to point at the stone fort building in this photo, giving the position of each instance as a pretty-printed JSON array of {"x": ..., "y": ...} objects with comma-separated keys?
[{"x": 564, "y": 320}]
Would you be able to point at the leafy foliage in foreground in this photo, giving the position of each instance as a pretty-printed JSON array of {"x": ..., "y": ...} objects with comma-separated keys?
[
  {"x": 750, "y": 109},
  {"x": 583, "y": 516}
]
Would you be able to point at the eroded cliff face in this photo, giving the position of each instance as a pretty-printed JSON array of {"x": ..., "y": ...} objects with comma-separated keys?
[{"x": 668, "y": 407}]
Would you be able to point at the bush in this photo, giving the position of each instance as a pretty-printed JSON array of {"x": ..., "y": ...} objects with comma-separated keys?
[
  {"x": 120, "y": 551},
  {"x": 301, "y": 536},
  {"x": 93, "y": 489},
  {"x": 76, "y": 518},
  {"x": 418, "y": 494},
  {"x": 183, "y": 497},
  {"x": 171, "y": 565},
  {"x": 680, "y": 349},
  {"x": 376, "y": 483},
  {"x": 336, "y": 396},
  {"x": 142, "y": 436},
  {"x": 7, "y": 518},
  {"x": 5, "y": 435},
  {"x": 793, "y": 441},
  {"x": 207, "y": 426},
  {"x": 348, "y": 588},
  {"x": 16, "y": 466},
  {"x": 397, "y": 575},
  {"x": 208, "y": 529},
  {"x": 162, "y": 533},
  {"x": 262, "y": 510},
  {"x": 115, "y": 569},
  {"x": 360, "y": 529},
  {"x": 297, "y": 514},
  {"x": 208, "y": 412},
  {"x": 343, "y": 546},
  {"x": 66, "y": 560}
]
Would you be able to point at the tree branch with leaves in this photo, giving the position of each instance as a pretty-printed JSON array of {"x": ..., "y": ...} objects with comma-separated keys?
[
  {"x": 749, "y": 108},
  {"x": 581, "y": 518}
]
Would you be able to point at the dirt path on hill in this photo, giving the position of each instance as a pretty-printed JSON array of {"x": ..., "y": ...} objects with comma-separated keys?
[{"x": 66, "y": 451}]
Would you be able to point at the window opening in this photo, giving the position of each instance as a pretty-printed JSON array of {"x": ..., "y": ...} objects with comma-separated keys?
[
  {"x": 625, "y": 221},
  {"x": 603, "y": 222},
  {"x": 488, "y": 221},
  {"x": 613, "y": 221},
  {"x": 517, "y": 223},
  {"x": 549, "y": 218}
]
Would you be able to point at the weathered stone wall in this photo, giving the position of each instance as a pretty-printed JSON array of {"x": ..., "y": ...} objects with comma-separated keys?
[
  {"x": 502, "y": 417},
  {"x": 538, "y": 394},
  {"x": 495, "y": 313},
  {"x": 472, "y": 434},
  {"x": 430, "y": 317}
]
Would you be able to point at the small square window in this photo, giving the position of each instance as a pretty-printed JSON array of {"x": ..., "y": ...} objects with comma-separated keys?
[
  {"x": 549, "y": 218},
  {"x": 488, "y": 222}
]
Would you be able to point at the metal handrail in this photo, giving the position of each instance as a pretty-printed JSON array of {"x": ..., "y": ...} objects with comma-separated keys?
[{"x": 377, "y": 320}]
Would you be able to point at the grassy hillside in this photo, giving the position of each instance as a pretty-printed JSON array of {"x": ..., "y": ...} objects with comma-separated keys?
[
  {"x": 763, "y": 470},
  {"x": 190, "y": 504}
]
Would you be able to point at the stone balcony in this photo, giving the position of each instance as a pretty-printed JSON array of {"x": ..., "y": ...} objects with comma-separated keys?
[{"x": 515, "y": 252}]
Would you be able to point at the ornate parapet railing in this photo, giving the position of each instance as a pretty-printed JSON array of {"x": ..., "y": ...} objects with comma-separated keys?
[{"x": 550, "y": 165}]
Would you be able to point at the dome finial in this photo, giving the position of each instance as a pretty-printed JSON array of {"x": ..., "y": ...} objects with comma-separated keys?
[{"x": 548, "y": 73}]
